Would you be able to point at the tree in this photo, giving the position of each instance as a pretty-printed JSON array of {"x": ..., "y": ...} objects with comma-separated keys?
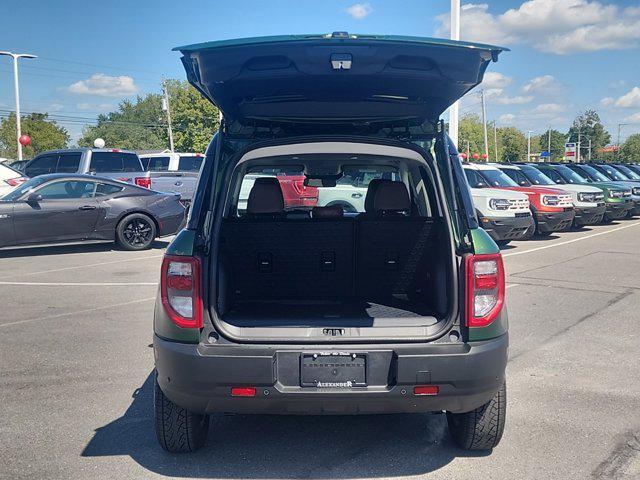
[
  {"x": 513, "y": 144},
  {"x": 630, "y": 150},
  {"x": 45, "y": 134},
  {"x": 471, "y": 135},
  {"x": 557, "y": 143},
  {"x": 142, "y": 124},
  {"x": 590, "y": 128}
]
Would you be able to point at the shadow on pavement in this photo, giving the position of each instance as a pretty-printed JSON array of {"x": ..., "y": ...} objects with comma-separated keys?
[
  {"x": 18, "y": 252},
  {"x": 264, "y": 446}
]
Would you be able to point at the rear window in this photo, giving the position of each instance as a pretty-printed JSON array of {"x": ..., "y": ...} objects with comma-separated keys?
[
  {"x": 190, "y": 163},
  {"x": 115, "y": 162},
  {"x": 42, "y": 165},
  {"x": 69, "y": 162},
  {"x": 157, "y": 164},
  {"x": 107, "y": 189}
]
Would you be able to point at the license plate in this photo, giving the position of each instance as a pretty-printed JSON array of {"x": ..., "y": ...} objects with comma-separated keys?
[{"x": 342, "y": 370}]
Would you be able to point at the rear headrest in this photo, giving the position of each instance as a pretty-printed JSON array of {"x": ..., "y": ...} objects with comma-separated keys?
[
  {"x": 391, "y": 197},
  {"x": 371, "y": 194},
  {"x": 265, "y": 196},
  {"x": 331, "y": 211}
]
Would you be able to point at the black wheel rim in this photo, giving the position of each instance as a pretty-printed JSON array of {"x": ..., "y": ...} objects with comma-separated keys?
[{"x": 137, "y": 232}]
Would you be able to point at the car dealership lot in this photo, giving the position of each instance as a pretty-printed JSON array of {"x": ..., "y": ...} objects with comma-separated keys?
[{"x": 76, "y": 390}]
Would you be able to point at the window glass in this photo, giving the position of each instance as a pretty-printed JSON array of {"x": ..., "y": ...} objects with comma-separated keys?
[
  {"x": 67, "y": 189},
  {"x": 190, "y": 163},
  {"x": 106, "y": 162},
  {"x": 591, "y": 173},
  {"x": 42, "y": 165},
  {"x": 475, "y": 180},
  {"x": 517, "y": 176},
  {"x": 69, "y": 162},
  {"x": 497, "y": 178},
  {"x": 613, "y": 173},
  {"x": 628, "y": 172},
  {"x": 535, "y": 176},
  {"x": 131, "y": 162},
  {"x": 27, "y": 186},
  {"x": 107, "y": 189},
  {"x": 571, "y": 176},
  {"x": 157, "y": 164}
]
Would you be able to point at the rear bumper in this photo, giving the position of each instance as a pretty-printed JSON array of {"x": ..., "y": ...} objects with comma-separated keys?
[
  {"x": 505, "y": 228},
  {"x": 589, "y": 216},
  {"x": 199, "y": 378},
  {"x": 556, "y": 221},
  {"x": 618, "y": 210}
]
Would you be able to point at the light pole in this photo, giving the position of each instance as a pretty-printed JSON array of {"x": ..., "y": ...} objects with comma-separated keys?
[
  {"x": 455, "y": 35},
  {"x": 529, "y": 132},
  {"x": 16, "y": 86}
]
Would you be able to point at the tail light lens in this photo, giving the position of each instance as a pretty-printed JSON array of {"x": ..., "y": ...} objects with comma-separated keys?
[
  {"x": 485, "y": 288},
  {"x": 143, "y": 182},
  {"x": 180, "y": 290}
]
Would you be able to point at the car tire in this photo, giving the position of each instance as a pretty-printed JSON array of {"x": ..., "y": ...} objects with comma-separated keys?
[
  {"x": 482, "y": 428},
  {"x": 136, "y": 231},
  {"x": 178, "y": 430}
]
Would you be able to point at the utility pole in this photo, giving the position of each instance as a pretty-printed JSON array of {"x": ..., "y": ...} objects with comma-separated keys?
[
  {"x": 549, "y": 141},
  {"x": 484, "y": 125},
  {"x": 579, "y": 138},
  {"x": 589, "y": 149},
  {"x": 495, "y": 139},
  {"x": 529, "y": 132},
  {"x": 455, "y": 35},
  {"x": 16, "y": 86},
  {"x": 166, "y": 106}
]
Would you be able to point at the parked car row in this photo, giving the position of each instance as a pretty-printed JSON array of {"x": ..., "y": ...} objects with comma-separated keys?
[{"x": 518, "y": 200}]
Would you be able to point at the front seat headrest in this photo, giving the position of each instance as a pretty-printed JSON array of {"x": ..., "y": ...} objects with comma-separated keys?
[
  {"x": 391, "y": 197},
  {"x": 265, "y": 197},
  {"x": 331, "y": 211}
]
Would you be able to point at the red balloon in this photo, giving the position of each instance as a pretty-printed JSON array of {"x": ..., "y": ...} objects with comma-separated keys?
[
  {"x": 24, "y": 140},
  {"x": 476, "y": 156},
  {"x": 463, "y": 155},
  {"x": 484, "y": 155}
]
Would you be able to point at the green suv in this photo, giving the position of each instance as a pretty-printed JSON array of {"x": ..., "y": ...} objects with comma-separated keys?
[{"x": 396, "y": 307}]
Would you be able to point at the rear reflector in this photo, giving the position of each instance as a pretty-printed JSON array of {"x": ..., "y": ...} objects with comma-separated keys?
[
  {"x": 426, "y": 390},
  {"x": 243, "y": 392},
  {"x": 143, "y": 182}
]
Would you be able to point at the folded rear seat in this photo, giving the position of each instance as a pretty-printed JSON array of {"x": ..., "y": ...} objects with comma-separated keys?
[
  {"x": 392, "y": 247},
  {"x": 270, "y": 257}
]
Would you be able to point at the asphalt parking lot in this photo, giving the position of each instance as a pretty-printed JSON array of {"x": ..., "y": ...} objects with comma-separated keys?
[{"x": 76, "y": 388}]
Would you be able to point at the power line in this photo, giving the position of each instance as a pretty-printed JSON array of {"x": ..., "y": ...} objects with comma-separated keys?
[{"x": 51, "y": 59}]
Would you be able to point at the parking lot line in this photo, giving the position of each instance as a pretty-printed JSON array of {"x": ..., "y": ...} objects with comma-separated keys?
[
  {"x": 90, "y": 265},
  {"x": 79, "y": 312},
  {"x": 76, "y": 284},
  {"x": 559, "y": 244}
]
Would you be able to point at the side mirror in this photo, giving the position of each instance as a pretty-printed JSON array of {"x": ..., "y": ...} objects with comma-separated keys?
[
  {"x": 480, "y": 185},
  {"x": 523, "y": 183},
  {"x": 34, "y": 198}
]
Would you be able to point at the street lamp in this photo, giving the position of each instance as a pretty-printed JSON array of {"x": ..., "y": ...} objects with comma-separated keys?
[{"x": 15, "y": 57}]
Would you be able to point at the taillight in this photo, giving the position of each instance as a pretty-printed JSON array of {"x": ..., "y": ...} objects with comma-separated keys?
[
  {"x": 180, "y": 290},
  {"x": 14, "y": 182},
  {"x": 143, "y": 182},
  {"x": 485, "y": 288}
]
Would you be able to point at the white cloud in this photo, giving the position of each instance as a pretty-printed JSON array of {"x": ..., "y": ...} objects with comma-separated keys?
[
  {"x": 607, "y": 101},
  {"x": 549, "y": 109},
  {"x": 554, "y": 26},
  {"x": 635, "y": 118},
  {"x": 99, "y": 107},
  {"x": 631, "y": 99},
  {"x": 359, "y": 10},
  {"x": 507, "y": 119},
  {"x": 496, "y": 80},
  {"x": 545, "y": 84},
  {"x": 105, "y": 85}
]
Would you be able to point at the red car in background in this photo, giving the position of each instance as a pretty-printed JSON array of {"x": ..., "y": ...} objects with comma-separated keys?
[{"x": 296, "y": 193}]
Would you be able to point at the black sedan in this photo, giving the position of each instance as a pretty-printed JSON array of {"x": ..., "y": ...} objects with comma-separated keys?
[{"x": 68, "y": 208}]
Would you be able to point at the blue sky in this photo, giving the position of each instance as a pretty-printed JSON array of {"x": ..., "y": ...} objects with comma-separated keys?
[{"x": 566, "y": 55}]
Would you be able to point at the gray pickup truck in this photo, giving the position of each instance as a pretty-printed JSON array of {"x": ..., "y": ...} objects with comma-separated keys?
[
  {"x": 121, "y": 165},
  {"x": 173, "y": 172}
]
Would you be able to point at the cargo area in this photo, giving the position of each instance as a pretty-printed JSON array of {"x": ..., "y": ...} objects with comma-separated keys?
[{"x": 372, "y": 253}]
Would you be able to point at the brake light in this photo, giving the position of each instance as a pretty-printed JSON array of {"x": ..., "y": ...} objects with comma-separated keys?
[
  {"x": 485, "y": 288},
  {"x": 143, "y": 182},
  {"x": 426, "y": 390},
  {"x": 180, "y": 290}
]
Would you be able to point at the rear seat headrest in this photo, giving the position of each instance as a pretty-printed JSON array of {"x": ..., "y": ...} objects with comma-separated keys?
[
  {"x": 331, "y": 211},
  {"x": 371, "y": 194},
  {"x": 391, "y": 197},
  {"x": 265, "y": 196}
]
